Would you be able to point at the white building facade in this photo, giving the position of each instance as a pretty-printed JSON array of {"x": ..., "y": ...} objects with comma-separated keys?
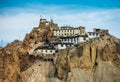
[
  {"x": 59, "y": 46},
  {"x": 45, "y": 49},
  {"x": 69, "y": 31},
  {"x": 93, "y": 34},
  {"x": 74, "y": 40}
]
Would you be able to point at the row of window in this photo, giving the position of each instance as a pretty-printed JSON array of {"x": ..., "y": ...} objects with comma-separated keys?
[
  {"x": 93, "y": 34},
  {"x": 62, "y": 45},
  {"x": 47, "y": 51},
  {"x": 64, "y": 34},
  {"x": 72, "y": 39},
  {"x": 66, "y": 30},
  {"x": 69, "y": 39}
]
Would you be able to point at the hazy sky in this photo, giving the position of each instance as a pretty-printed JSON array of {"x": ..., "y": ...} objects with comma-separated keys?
[{"x": 18, "y": 17}]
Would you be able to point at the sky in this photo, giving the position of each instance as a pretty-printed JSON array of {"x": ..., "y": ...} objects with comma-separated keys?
[{"x": 18, "y": 17}]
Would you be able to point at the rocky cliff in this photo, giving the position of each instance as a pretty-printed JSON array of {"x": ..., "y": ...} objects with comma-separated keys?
[
  {"x": 97, "y": 60},
  {"x": 9, "y": 63}
]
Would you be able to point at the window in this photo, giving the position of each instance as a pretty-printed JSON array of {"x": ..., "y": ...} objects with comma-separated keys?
[
  {"x": 84, "y": 38},
  {"x": 93, "y": 34},
  {"x": 61, "y": 45},
  {"x": 65, "y": 39},
  {"x": 46, "y": 51},
  {"x": 90, "y": 34},
  {"x": 50, "y": 50},
  {"x": 96, "y": 34},
  {"x": 74, "y": 40}
]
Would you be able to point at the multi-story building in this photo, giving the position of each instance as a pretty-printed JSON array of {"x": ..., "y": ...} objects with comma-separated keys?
[{"x": 69, "y": 34}]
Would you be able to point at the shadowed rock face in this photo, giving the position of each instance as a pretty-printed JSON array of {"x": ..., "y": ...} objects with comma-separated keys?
[{"x": 97, "y": 60}]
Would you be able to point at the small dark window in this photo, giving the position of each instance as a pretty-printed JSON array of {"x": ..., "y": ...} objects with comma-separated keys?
[
  {"x": 84, "y": 38},
  {"x": 50, "y": 50},
  {"x": 46, "y": 51},
  {"x": 90, "y": 34},
  {"x": 65, "y": 39},
  {"x": 93, "y": 34},
  {"x": 61, "y": 45},
  {"x": 96, "y": 34}
]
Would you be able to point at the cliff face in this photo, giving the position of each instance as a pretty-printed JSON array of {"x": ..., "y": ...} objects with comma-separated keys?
[
  {"x": 97, "y": 60},
  {"x": 9, "y": 63}
]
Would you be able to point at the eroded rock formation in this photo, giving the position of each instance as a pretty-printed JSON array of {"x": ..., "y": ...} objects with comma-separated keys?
[{"x": 97, "y": 60}]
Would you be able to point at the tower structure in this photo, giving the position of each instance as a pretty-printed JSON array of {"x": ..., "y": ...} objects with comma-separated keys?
[{"x": 42, "y": 22}]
